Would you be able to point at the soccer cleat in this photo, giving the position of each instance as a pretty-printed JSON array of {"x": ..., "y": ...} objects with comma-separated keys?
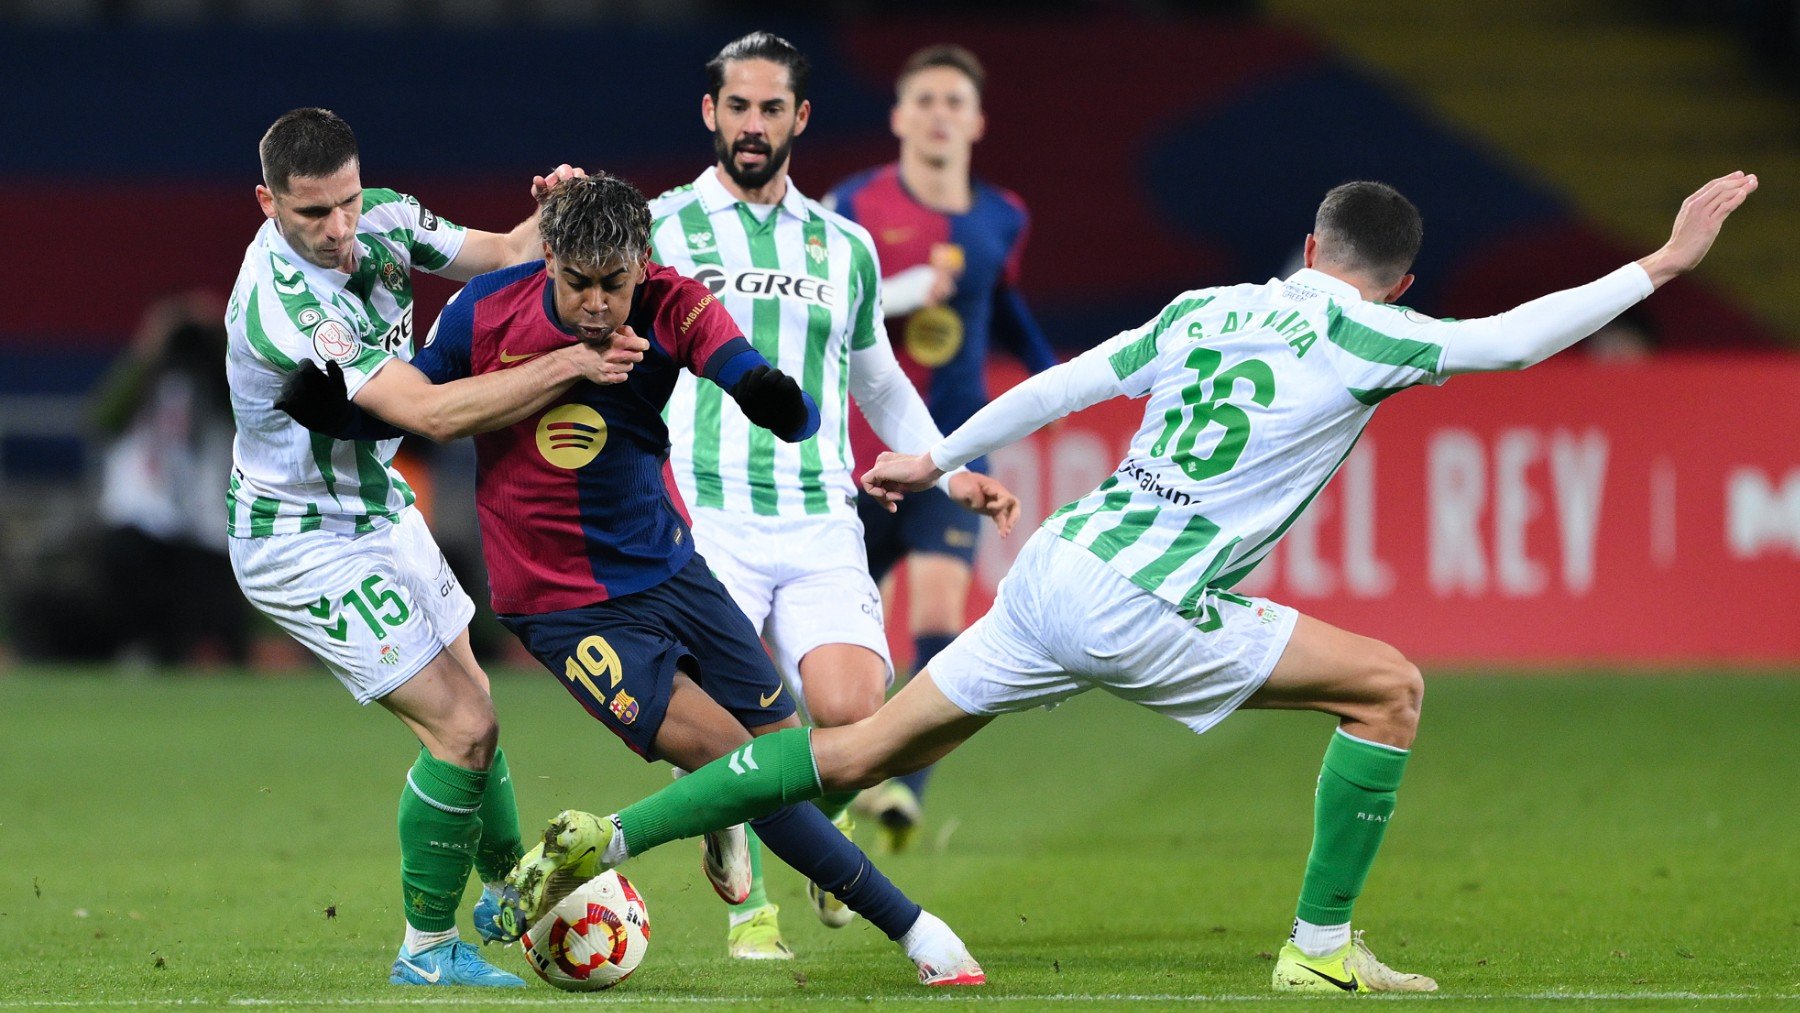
[
  {"x": 499, "y": 917},
  {"x": 833, "y": 912},
  {"x": 725, "y": 858},
  {"x": 898, "y": 812},
  {"x": 568, "y": 856},
  {"x": 1351, "y": 969},
  {"x": 964, "y": 972},
  {"x": 940, "y": 955},
  {"x": 758, "y": 937},
  {"x": 454, "y": 963}
]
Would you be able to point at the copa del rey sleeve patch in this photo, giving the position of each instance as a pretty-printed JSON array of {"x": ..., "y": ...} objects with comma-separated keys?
[{"x": 332, "y": 340}]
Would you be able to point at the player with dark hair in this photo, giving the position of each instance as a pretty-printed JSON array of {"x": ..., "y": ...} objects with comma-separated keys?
[
  {"x": 950, "y": 246},
  {"x": 1256, "y": 394},
  {"x": 778, "y": 522},
  {"x": 323, "y": 535},
  {"x": 591, "y": 564}
]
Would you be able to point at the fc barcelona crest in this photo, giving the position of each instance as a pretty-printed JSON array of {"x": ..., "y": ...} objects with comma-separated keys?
[{"x": 624, "y": 707}]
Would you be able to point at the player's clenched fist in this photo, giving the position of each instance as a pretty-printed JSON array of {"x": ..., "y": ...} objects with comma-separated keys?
[{"x": 771, "y": 399}]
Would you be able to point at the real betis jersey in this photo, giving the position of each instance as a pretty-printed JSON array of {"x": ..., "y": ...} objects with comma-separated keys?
[
  {"x": 1257, "y": 393},
  {"x": 283, "y": 309},
  {"x": 803, "y": 284}
]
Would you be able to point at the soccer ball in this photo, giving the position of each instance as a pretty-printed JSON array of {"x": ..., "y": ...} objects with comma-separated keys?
[{"x": 593, "y": 938}]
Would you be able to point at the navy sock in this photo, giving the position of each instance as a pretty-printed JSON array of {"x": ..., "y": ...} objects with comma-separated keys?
[
  {"x": 801, "y": 836},
  {"x": 926, "y": 646}
]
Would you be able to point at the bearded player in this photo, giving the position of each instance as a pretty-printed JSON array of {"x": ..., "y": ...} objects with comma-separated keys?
[{"x": 777, "y": 522}]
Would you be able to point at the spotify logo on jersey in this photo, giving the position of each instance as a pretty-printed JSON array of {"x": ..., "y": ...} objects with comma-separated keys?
[{"x": 571, "y": 435}]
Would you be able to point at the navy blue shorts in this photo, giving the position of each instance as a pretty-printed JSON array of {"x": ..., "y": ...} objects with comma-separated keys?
[
  {"x": 928, "y": 521},
  {"x": 618, "y": 657}
]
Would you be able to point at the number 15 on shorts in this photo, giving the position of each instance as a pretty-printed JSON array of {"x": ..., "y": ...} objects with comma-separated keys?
[{"x": 377, "y": 607}]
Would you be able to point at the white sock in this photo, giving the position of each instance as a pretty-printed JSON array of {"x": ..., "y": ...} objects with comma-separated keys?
[
  {"x": 616, "y": 852},
  {"x": 418, "y": 941},
  {"x": 1319, "y": 940},
  {"x": 932, "y": 942}
]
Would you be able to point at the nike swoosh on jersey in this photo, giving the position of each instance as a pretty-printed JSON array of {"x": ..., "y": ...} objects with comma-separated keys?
[
  {"x": 767, "y": 700},
  {"x": 1348, "y": 986},
  {"x": 899, "y": 235},
  {"x": 431, "y": 976},
  {"x": 509, "y": 359}
]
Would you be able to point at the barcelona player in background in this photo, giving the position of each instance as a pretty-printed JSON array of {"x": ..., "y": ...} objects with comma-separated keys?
[{"x": 949, "y": 245}]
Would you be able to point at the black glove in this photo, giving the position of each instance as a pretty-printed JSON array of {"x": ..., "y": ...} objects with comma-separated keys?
[
  {"x": 772, "y": 400},
  {"x": 316, "y": 399}
]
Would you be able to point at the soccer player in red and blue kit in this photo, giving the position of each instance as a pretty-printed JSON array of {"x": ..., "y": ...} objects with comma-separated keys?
[
  {"x": 956, "y": 241},
  {"x": 591, "y": 563}
]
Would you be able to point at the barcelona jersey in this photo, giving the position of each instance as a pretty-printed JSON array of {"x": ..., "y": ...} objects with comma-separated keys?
[
  {"x": 944, "y": 349},
  {"x": 572, "y": 500}
]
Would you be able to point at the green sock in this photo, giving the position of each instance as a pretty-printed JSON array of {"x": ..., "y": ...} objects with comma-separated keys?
[
  {"x": 500, "y": 848},
  {"x": 440, "y": 823},
  {"x": 834, "y": 804},
  {"x": 758, "y": 896},
  {"x": 749, "y": 782},
  {"x": 1350, "y": 813}
]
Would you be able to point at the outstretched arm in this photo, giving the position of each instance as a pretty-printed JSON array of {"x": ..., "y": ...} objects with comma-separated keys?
[
  {"x": 481, "y": 404},
  {"x": 402, "y": 396},
  {"x": 1534, "y": 331},
  {"x": 888, "y": 399},
  {"x": 899, "y": 417},
  {"x": 1088, "y": 379}
]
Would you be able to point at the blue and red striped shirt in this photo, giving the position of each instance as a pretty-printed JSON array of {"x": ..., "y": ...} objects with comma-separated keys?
[
  {"x": 991, "y": 235},
  {"x": 572, "y": 500}
]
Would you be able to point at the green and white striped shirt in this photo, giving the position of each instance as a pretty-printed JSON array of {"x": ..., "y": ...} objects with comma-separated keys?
[
  {"x": 803, "y": 283},
  {"x": 283, "y": 309},
  {"x": 1257, "y": 393}
]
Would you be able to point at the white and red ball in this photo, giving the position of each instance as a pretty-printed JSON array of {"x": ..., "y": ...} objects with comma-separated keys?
[{"x": 591, "y": 939}]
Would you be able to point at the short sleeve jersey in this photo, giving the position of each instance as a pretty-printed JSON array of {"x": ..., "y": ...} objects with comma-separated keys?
[
  {"x": 1257, "y": 393},
  {"x": 804, "y": 285},
  {"x": 572, "y": 501},
  {"x": 285, "y": 310}
]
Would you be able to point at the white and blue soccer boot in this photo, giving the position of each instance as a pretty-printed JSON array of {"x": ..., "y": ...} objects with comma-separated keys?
[
  {"x": 499, "y": 917},
  {"x": 454, "y": 963}
]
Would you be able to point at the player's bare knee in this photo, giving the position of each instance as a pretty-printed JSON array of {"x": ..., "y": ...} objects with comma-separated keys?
[
  {"x": 846, "y": 707},
  {"x": 1401, "y": 695},
  {"x": 471, "y": 735}
]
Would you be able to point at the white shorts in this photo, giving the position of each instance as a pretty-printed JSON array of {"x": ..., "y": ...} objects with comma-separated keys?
[
  {"x": 804, "y": 583},
  {"x": 1064, "y": 622},
  {"x": 375, "y": 608}
]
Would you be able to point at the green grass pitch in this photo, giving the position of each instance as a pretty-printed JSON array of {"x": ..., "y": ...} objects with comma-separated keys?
[{"x": 1561, "y": 841}]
